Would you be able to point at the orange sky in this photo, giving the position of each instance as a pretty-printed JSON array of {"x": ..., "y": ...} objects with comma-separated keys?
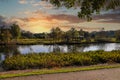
[{"x": 39, "y": 16}]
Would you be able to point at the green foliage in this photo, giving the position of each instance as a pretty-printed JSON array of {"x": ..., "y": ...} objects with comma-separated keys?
[
  {"x": 87, "y": 7},
  {"x": 44, "y": 60},
  {"x": 15, "y": 30},
  {"x": 117, "y": 35},
  {"x": 56, "y": 33},
  {"x": 5, "y": 35}
]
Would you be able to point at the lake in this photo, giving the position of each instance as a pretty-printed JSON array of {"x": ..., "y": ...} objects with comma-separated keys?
[{"x": 7, "y": 51}]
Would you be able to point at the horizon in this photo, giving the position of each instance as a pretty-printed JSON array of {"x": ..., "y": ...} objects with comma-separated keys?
[{"x": 38, "y": 16}]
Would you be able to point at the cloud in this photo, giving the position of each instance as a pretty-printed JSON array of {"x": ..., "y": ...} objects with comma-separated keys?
[
  {"x": 69, "y": 18},
  {"x": 2, "y": 22},
  {"x": 7, "y": 22},
  {"x": 55, "y": 19},
  {"x": 43, "y": 4},
  {"x": 42, "y": 15},
  {"x": 23, "y": 1},
  {"x": 111, "y": 17},
  {"x": 108, "y": 18},
  {"x": 41, "y": 21},
  {"x": 36, "y": 3}
]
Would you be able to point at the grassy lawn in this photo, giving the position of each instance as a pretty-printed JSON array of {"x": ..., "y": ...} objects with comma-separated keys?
[{"x": 58, "y": 70}]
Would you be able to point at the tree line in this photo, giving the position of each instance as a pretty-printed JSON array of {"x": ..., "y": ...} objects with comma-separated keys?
[
  {"x": 13, "y": 33},
  {"x": 73, "y": 35}
]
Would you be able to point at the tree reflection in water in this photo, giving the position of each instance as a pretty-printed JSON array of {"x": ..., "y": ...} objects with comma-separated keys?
[
  {"x": 8, "y": 51},
  {"x": 67, "y": 48},
  {"x": 76, "y": 48},
  {"x": 56, "y": 49}
]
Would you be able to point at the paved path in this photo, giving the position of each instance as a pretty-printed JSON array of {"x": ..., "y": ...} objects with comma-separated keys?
[{"x": 104, "y": 74}]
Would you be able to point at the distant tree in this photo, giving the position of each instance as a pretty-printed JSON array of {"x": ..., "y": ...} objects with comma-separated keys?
[
  {"x": 6, "y": 35},
  {"x": 92, "y": 35},
  {"x": 15, "y": 30},
  {"x": 81, "y": 32},
  {"x": 45, "y": 35},
  {"x": 52, "y": 33},
  {"x": 56, "y": 33},
  {"x": 68, "y": 36},
  {"x": 74, "y": 33},
  {"x": 117, "y": 35},
  {"x": 28, "y": 34},
  {"x": 86, "y": 35},
  {"x": 87, "y": 7},
  {"x": 0, "y": 34}
]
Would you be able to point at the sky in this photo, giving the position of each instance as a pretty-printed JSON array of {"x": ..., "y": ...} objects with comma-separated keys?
[{"x": 39, "y": 16}]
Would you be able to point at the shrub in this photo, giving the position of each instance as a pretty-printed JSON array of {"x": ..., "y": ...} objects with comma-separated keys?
[{"x": 43, "y": 60}]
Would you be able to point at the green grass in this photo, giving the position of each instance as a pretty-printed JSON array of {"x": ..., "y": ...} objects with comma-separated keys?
[
  {"x": 51, "y": 41},
  {"x": 36, "y": 41},
  {"x": 60, "y": 70}
]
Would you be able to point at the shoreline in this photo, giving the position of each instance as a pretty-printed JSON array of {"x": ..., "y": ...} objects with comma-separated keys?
[{"x": 57, "y": 43}]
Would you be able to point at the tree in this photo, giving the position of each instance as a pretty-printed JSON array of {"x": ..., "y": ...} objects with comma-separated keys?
[
  {"x": 6, "y": 35},
  {"x": 52, "y": 33},
  {"x": 87, "y": 7},
  {"x": 76, "y": 35},
  {"x": 73, "y": 32},
  {"x": 0, "y": 34},
  {"x": 15, "y": 30},
  {"x": 68, "y": 36},
  {"x": 56, "y": 33},
  {"x": 81, "y": 32},
  {"x": 117, "y": 35},
  {"x": 27, "y": 34}
]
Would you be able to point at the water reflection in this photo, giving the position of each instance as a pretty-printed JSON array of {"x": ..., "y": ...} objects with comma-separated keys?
[{"x": 7, "y": 51}]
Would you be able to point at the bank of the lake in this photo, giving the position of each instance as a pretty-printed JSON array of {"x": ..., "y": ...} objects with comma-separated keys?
[
  {"x": 13, "y": 50},
  {"x": 51, "y": 42}
]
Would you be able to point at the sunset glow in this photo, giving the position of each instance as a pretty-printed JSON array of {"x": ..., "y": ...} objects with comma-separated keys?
[{"x": 39, "y": 16}]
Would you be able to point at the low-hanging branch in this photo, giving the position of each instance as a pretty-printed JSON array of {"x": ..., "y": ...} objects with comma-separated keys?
[{"x": 87, "y": 7}]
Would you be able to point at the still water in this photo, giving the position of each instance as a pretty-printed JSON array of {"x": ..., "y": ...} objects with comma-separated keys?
[{"x": 7, "y": 51}]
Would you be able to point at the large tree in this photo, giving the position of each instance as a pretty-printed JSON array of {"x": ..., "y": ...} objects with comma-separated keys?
[
  {"x": 87, "y": 7},
  {"x": 15, "y": 30}
]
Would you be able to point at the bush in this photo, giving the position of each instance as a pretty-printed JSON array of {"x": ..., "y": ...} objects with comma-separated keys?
[{"x": 43, "y": 60}]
